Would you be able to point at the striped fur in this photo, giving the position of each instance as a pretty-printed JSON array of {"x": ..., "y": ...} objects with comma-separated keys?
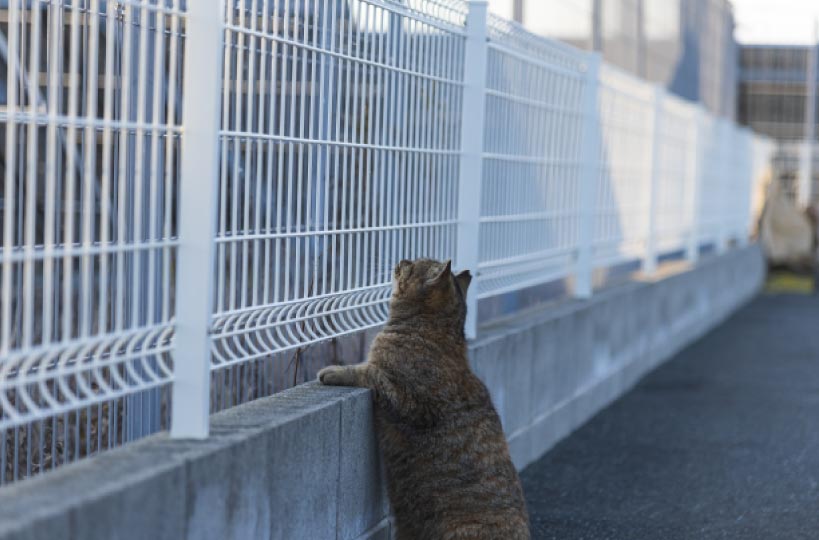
[{"x": 449, "y": 473}]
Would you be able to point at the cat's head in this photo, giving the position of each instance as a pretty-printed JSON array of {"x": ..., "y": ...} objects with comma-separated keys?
[{"x": 428, "y": 287}]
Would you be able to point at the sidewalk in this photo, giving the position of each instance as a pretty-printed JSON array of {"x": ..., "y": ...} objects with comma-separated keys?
[{"x": 720, "y": 442}]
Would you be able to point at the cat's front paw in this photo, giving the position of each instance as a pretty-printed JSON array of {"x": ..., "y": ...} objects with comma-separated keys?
[{"x": 334, "y": 376}]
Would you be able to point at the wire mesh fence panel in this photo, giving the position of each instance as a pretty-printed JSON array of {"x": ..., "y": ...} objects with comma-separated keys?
[
  {"x": 90, "y": 137},
  {"x": 716, "y": 164},
  {"x": 339, "y": 155},
  {"x": 739, "y": 190},
  {"x": 729, "y": 148},
  {"x": 622, "y": 200},
  {"x": 532, "y": 160},
  {"x": 341, "y": 150},
  {"x": 676, "y": 156}
]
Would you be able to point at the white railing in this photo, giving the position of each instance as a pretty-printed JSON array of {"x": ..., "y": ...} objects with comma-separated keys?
[{"x": 322, "y": 141}]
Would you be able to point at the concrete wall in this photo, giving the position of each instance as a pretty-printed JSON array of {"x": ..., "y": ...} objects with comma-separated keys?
[
  {"x": 303, "y": 464},
  {"x": 550, "y": 370}
]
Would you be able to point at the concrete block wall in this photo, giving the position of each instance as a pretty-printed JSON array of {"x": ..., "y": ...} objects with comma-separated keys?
[
  {"x": 551, "y": 369},
  {"x": 304, "y": 464}
]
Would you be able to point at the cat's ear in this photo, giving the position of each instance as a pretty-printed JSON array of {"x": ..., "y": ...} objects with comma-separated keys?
[
  {"x": 464, "y": 279},
  {"x": 441, "y": 276}
]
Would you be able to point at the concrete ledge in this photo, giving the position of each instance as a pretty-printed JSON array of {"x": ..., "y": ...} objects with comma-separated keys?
[
  {"x": 304, "y": 464},
  {"x": 300, "y": 464},
  {"x": 549, "y": 370}
]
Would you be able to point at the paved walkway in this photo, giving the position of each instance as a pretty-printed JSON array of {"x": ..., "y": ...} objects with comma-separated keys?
[{"x": 720, "y": 442}]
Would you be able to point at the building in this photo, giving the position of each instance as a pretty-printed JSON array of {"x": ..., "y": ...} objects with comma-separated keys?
[
  {"x": 773, "y": 89},
  {"x": 685, "y": 45},
  {"x": 773, "y": 101}
]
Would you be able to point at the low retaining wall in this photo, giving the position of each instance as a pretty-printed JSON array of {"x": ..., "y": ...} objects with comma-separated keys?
[
  {"x": 303, "y": 464},
  {"x": 550, "y": 370}
]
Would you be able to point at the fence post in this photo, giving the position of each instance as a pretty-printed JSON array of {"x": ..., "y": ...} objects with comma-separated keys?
[
  {"x": 805, "y": 193},
  {"x": 197, "y": 219},
  {"x": 590, "y": 163},
  {"x": 471, "y": 163},
  {"x": 746, "y": 176},
  {"x": 650, "y": 256},
  {"x": 726, "y": 170},
  {"x": 694, "y": 165}
]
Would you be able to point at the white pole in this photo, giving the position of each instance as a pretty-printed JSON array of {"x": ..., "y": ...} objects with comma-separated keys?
[
  {"x": 725, "y": 167},
  {"x": 471, "y": 166},
  {"x": 746, "y": 147},
  {"x": 197, "y": 223},
  {"x": 650, "y": 255},
  {"x": 694, "y": 172},
  {"x": 805, "y": 194},
  {"x": 590, "y": 156}
]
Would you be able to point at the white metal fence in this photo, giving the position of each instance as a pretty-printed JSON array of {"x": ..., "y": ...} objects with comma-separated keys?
[{"x": 192, "y": 189}]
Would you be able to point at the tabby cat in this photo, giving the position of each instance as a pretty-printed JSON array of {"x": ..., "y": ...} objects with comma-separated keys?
[{"x": 449, "y": 473}]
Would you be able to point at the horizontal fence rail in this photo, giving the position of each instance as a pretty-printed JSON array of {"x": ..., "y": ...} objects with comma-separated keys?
[{"x": 185, "y": 228}]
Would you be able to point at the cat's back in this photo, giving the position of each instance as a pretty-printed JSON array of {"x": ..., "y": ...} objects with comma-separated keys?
[{"x": 454, "y": 474}]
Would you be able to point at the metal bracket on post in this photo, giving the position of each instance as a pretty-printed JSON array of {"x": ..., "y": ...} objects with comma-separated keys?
[
  {"x": 471, "y": 163},
  {"x": 650, "y": 256},
  {"x": 197, "y": 220},
  {"x": 589, "y": 173},
  {"x": 694, "y": 165}
]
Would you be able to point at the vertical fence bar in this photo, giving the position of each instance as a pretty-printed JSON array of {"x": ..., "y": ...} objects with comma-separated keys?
[
  {"x": 12, "y": 66},
  {"x": 805, "y": 192},
  {"x": 725, "y": 168},
  {"x": 590, "y": 160},
  {"x": 471, "y": 166},
  {"x": 753, "y": 184},
  {"x": 694, "y": 174},
  {"x": 197, "y": 225},
  {"x": 744, "y": 174},
  {"x": 650, "y": 256}
]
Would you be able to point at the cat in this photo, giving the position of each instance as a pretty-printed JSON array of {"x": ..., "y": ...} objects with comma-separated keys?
[{"x": 449, "y": 474}]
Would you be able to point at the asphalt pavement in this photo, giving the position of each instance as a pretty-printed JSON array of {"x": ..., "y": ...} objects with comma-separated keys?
[{"x": 722, "y": 441}]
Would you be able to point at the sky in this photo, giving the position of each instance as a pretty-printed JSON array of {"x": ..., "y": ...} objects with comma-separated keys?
[{"x": 775, "y": 21}]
